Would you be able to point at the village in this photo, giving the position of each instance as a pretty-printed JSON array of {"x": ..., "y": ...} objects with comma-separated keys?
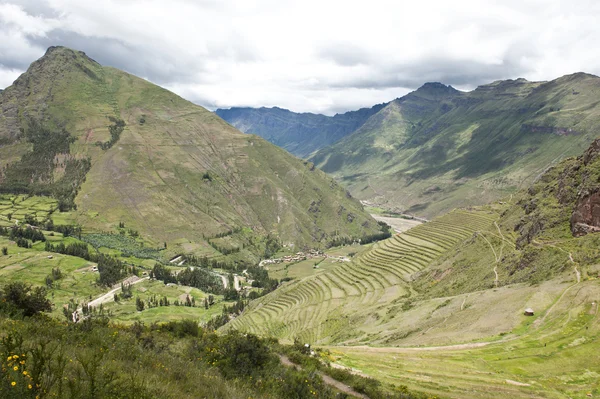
[{"x": 300, "y": 256}]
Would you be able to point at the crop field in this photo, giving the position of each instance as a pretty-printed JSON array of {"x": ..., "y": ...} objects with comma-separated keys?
[
  {"x": 348, "y": 302},
  {"x": 555, "y": 354},
  {"x": 125, "y": 310},
  {"x": 15, "y": 207},
  {"x": 33, "y": 265}
]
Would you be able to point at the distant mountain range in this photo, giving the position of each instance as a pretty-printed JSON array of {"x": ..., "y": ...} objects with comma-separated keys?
[
  {"x": 438, "y": 148},
  {"x": 300, "y": 134}
]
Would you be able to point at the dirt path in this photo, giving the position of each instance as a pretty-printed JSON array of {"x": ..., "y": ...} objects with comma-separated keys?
[
  {"x": 340, "y": 386},
  {"x": 496, "y": 257},
  {"x": 577, "y": 272},
  {"x": 109, "y": 296},
  {"x": 224, "y": 281},
  {"x": 496, "y": 278},
  {"x": 374, "y": 349},
  {"x": 462, "y": 305}
]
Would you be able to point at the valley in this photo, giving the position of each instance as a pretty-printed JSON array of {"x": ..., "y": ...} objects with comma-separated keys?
[{"x": 452, "y": 252}]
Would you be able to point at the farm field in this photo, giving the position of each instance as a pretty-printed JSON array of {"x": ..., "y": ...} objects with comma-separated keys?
[
  {"x": 555, "y": 354},
  {"x": 355, "y": 302},
  {"x": 79, "y": 282},
  {"x": 125, "y": 311}
]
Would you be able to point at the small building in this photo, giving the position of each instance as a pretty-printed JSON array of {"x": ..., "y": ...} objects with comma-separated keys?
[{"x": 529, "y": 312}]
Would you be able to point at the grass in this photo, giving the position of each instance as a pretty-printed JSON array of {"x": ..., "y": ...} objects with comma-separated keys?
[
  {"x": 125, "y": 310},
  {"x": 555, "y": 359}
]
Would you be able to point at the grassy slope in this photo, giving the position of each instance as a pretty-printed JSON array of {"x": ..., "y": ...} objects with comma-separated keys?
[
  {"x": 436, "y": 149},
  {"x": 456, "y": 298},
  {"x": 152, "y": 178}
]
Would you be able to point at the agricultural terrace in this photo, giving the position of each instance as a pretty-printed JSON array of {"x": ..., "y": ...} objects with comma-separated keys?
[{"x": 346, "y": 302}]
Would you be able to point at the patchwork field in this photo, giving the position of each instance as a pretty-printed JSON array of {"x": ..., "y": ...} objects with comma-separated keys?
[
  {"x": 354, "y": 302},
  {"x": 555, "y": 354}
]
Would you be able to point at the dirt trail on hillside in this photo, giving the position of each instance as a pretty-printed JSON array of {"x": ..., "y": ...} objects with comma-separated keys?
[
  {"x": 472, "y": 345},
  {"x": 109, "y": 296},
  {"x": 340, "y": 386}
]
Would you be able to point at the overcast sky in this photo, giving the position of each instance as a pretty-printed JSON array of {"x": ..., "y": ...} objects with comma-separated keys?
[{"x": 323, "y": 56}]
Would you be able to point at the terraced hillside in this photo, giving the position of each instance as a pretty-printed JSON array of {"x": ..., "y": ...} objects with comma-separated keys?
[{"x": 356, "y": 301}]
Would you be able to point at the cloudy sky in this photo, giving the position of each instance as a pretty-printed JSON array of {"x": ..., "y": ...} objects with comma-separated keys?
[{"x": 323, "y": 56}]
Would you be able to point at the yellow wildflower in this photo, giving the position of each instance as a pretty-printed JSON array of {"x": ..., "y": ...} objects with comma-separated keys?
[
  {"x": 16, "y": 368},
  {"x": 13, "y": 383}
]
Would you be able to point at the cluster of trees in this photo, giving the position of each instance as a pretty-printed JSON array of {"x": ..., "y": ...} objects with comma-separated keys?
[
  {"x": 79, "y": 249},
  {"x": 54, "y": 276},
  {"x": 117, "y": 127},
  {"x": 224, "y": 250},
  {"x": 111, "y": 270},
  {"x": 27, "y": 233},
  {"x": 207, "y": 263},
  {"x": 385, "y": 233},
  {"x": 153, "y": 302},
  {"x": 20, "y": 298},
  {"x": 201, "y": 279},
  {"x": 192, "y": 277},
  {"x": 34, "y": 172},
  {"x": 272, "y": 245},
  {"x": 261, "y": 279}
]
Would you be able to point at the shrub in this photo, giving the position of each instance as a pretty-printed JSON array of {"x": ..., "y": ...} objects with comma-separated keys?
[{"x": 19, "y": 297}]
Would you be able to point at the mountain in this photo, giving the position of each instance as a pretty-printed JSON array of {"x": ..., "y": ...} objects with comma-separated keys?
[
  {"x": 115, "y": 148},
  {"x": 438, "y": 148},
  {"x": 299, "y": 133}
]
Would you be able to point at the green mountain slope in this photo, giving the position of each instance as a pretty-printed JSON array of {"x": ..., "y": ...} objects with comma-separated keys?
[
  {"x": 162, "y": 165},
  {"x": 300, "y": 133},
  {"x": 438, "y": 148},
  {"x": 464, "y": 276}
]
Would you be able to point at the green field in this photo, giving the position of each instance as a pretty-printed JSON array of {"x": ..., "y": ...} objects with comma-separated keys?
[{"x": 555, "y": 354}]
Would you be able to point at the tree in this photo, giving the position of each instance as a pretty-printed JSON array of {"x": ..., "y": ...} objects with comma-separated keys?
[{"x": 139, "y": 304}]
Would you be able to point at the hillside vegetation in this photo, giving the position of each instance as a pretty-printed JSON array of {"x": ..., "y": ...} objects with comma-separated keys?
[
  {"x": 115, "y": 148},
  {"x": 301, "y": 134},
  {"x": 438, "y": 148},
  {"x": 441, "y": 306}
]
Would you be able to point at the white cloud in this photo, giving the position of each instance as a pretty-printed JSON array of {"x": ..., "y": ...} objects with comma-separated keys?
[{"x": 310, "y": 55}]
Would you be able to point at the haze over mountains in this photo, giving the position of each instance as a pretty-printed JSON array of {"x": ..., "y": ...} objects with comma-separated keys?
[
  {"x": 166, "y": 167},
  {"x": 300, "y": 134},
  {"x": 438, "y": 148}
]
